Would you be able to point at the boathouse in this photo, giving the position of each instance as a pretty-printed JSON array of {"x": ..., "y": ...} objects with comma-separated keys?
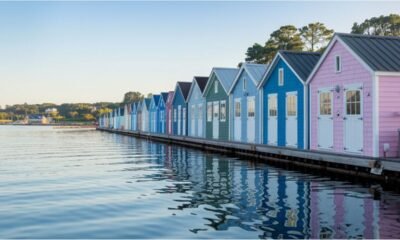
[
  {"x": 134, "y": 116},
  {"x": 196, "y": 108},
  {"x": 245, "y": 112},
  {"x": 127, "y": 117},
  {"x": 121, "y": 118},
  {"x": 217, "y": 102},
  {"x": 139, "y": 118},
  {"x": 179, "y": 108},
  {"x": 145, "y": 106},
  {"x": 168, "y": 109},
  {"x": 354, "y": 96},
  {"x": 153, "y": 113},
  {"x": 161, "y": 112},
  {"x": 285, "y": 99}
]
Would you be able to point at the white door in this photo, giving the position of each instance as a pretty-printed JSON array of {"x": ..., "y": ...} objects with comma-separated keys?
[
  {"x": 216, "y": 120},
  {"x": 179, "y": 119},
  {"x": 184, "y": 121},
  {"x": 272, "y": 119},
  {"x": 251, "y": 119},
  {"x": 170, "y": 121},
  {"x": 325, "y": 119},
  {"x": 237, "y": 131},
  {"x": 200, "y": 120},
  {"x": 291, "y": 119},
  {"x": 193, "y": 127},
  {"x": 353, "y": 120}
]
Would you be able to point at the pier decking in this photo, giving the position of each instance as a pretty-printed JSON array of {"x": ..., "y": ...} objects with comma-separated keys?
[{"x": 350, "y": 165}]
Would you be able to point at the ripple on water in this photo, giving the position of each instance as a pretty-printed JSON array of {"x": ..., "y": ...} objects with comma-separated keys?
[{"x": 89, "y": 184}]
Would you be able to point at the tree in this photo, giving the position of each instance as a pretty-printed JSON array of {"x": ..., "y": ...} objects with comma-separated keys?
[
  {"x": 88, "y": 117},
  {"x": 285, "y": 38},
  {"x": 382, "y": 25},
  {"x": 132, "y": 97},
  {"x": 315, "y": 36},
  {"x": 255, "y": 53},
  {"x": 149, "y": 95},
  {"x": 73, "y": 114}
]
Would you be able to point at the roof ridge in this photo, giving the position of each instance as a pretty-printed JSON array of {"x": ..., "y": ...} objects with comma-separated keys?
[
  {"x": 367, "y": 36},
  {"x": 299, "y": 52}
]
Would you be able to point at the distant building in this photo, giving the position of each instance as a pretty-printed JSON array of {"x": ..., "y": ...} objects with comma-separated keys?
[
  {"x": 49, "y": 111},
  {"x": 37, "y": 119}
]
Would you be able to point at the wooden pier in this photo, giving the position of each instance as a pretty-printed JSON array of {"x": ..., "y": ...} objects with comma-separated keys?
[{"x": 348, "y": 165}]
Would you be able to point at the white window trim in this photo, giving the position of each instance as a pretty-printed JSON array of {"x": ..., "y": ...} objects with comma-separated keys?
[
  {"x": 340, "y": 64},
  {"x": 209, "y": 114},
  {"x": 281, "y": 81}
]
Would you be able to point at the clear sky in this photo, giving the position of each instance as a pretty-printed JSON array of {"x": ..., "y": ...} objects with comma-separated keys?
[{"x": 96, "y": 51}]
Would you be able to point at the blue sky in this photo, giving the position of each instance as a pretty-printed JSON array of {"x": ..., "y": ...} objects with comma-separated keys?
[{"x": 96, "y": 51}]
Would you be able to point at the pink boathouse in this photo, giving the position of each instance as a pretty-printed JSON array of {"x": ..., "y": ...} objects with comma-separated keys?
[{"x": 355, "y": 96}]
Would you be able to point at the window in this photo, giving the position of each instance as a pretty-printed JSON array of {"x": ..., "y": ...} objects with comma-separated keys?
[
  {"x": 200, "y": 111},
  {"x": 353, "y": 102},
  {"x": 216, "y": 87},
  {"x": 237, "y": 108},
  {"x": 223, "y": 111},
  {"x": 272, "y": 104},
  {"x": 250, "y": 107},
  {"x": 175, "y": 115},
  {"x": 291, "y": 105},
  {"x": 209, "y": 111},
  {"x": 280, "y": 77},
  {"x": 244, "y": 83},
  {"x": 325, "y": 103},
  {"x": 338, "y": 64}
]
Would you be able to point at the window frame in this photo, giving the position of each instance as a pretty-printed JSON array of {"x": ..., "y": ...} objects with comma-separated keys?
[
  {"x": 338, "y": 60},
  {"x": 281, "y": 77},
  {"x": 209, "y": 111}
]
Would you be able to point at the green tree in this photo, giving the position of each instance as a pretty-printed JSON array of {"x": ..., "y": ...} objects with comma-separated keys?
[
  {"x": 132, "y": 97},
  {"x": 315, "y": 36},
  {"x": 285, "y": 38},
  {"x": 382, "y": 25},
  {"x": 255, "y": 53},
  {"x": 73, "y": 114}
]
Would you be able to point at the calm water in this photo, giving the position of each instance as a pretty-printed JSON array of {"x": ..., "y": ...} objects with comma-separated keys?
[{"x": 89, "y": 184}]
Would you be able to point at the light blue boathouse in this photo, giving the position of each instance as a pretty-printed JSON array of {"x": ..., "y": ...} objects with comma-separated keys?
[
  {"x": 153, "y": 113},
  {"x": 196, "y": 108},
  {"x": 245, "y": 102}
]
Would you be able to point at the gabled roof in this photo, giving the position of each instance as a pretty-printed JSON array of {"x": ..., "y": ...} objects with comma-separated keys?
[
  {"x": 226, "y": 76},
  {"x": 170, "y": 96},
  {"x": 156, "y": 99},
  {"x": 147, "y": 102},
  {"x": 377, "y": 53},
  {"x": 255, "y": 71},
  {"x": 380, "y": 53},
  {"x": 301, "y": 63},
  {"x": 164, "y": 96},
  {"x": 201, "y": 82},
  {"x": 185, "y": 88}
]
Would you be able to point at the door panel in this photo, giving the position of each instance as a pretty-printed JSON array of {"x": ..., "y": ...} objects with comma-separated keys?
[
  {"x": 353, "y": 120},
  {"x": 325, "y": 119},
  {"x": 272, "y": 119},
  {"x": 291, "y": 119},
  {"x": 216, "y": 120},
  {"x": 237, "y": 131},
  {"x": 179, "y": 119},
  {"x": 251, "y": 120}
]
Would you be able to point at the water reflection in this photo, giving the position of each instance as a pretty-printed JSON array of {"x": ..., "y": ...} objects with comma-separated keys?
[
  {"x": 275, "y": 203},
  {"x": 88, "y": 184}
]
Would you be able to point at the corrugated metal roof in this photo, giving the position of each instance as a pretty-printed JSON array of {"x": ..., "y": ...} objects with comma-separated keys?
[
  {"x": 226, "y": 76},
  {"x": 381, "y": 53},
  {"x": 201, "y": 82},
  {"x": 156, "y": 99},
  {"x": 185, "y": 88},
  {"x": 164, "y": 96},
  {"x": 257, "y": 71},
  {"x": 301, "y": 62}
]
